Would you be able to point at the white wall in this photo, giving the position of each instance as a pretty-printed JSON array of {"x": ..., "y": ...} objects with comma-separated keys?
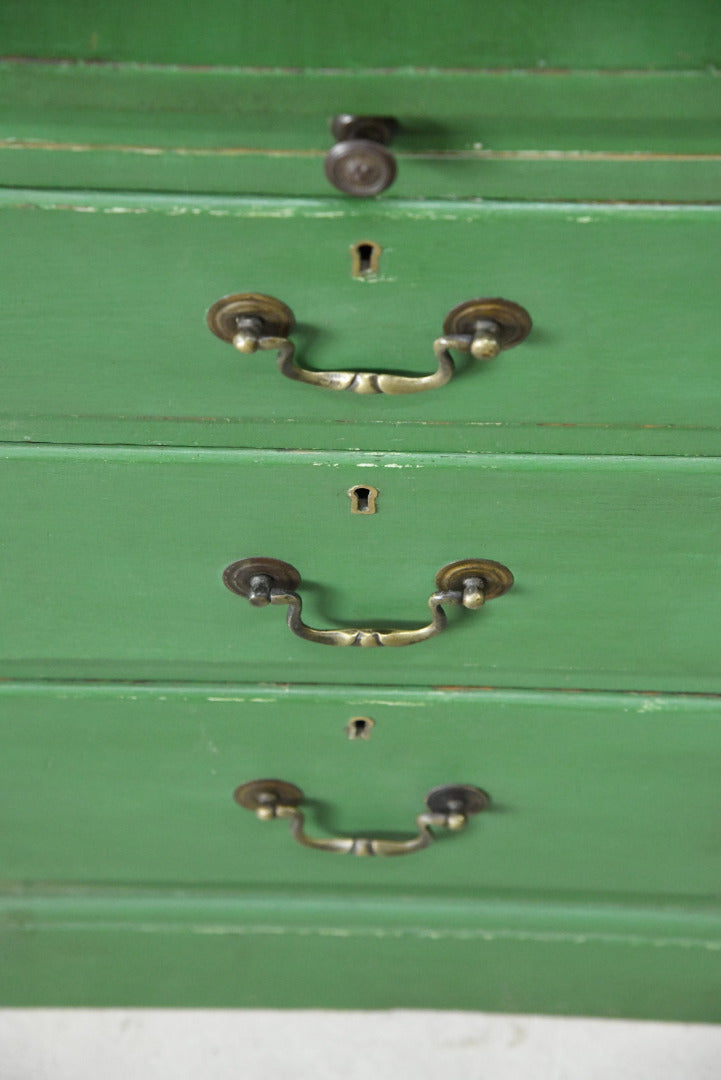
[{"x": 136, "y": 1044}]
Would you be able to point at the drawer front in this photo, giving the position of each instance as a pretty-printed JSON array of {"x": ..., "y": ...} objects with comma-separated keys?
[
  {"x": 113, "y": 564},
  {"x": 656, "y": 35},
  {"x": 132, "y": 877},
  {"x": 106, "y": 340},
  {"x": 462, "y": 133},
  {"x": 594, "y": 798}
]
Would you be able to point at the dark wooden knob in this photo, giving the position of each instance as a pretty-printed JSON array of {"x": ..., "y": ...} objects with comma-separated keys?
[
  {"x": 360, "y": 167},
  {"x": 359, "y": 164}
]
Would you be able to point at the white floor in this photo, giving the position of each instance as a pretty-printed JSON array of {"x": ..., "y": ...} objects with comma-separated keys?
[{"x": 137, "y": 1044}]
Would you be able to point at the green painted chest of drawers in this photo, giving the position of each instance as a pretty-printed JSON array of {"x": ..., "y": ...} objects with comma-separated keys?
[{"x": 576, "y": 174}]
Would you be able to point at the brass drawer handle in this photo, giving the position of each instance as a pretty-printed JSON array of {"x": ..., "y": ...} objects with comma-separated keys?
[
  {"x": 483, "y": 328},
  {"x": 469, "y": 582},
  {"x": 448, "y": 807}
]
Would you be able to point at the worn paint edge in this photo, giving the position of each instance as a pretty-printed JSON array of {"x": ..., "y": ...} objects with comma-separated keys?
[
  {"x": 424, "y": 933},
  {"x": 11, "y": 62},
  {"x": 358, "y": 917},
  {"x": 183, "y": 455},
  {"x": 255, "y": 206},
  {"x": 636, "y": 701},
  {"x": 586, "y": 156},
  {"x": 273, "y": 422}
]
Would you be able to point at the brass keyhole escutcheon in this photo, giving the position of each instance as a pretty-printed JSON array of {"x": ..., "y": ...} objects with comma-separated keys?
[
  {"x": 359, "y": 727},
  {"x": 363, "y": 499},
  {"x": 365, "y": 256}
]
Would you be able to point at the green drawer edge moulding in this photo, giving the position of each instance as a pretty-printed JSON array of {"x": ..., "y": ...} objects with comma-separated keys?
[
  {"x": 132, "y": 877},
  {"x": 494, "y": 135}
]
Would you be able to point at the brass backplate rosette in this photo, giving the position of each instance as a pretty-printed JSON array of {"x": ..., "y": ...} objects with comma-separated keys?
[
  {"x": 496, "y": 577},
  {"x": 238, "y": 576},
  {"x": 259, "y": 793},
  {"x": 457, "y": 799},
  {"x": 513, "y": 321},
  {"x": 275, "y": 317}
]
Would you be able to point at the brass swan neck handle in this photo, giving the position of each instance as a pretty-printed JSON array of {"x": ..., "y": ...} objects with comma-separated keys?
[
  {"x": 468, "y": 582},
  {"x": 483, "y": 328},
  {"x": 447, "y": 807}
]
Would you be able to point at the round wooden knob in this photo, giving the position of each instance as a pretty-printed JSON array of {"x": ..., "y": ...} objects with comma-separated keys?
[{"x": 360, "y": 167}]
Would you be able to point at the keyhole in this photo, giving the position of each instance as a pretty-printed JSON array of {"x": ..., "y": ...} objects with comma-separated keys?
[
  {"x": 359, "y": 727},
  {"x": 365, "y": 255},
  {"x": 363, "y": 499}
]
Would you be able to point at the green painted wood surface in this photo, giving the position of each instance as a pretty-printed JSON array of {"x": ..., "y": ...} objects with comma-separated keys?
[
  {"x": 596, "y": 798},
  {"x": 112, "y": 560},
  {"x": 105, "y": 338},
  {"x": 179, "y": 950},
  {"x": 438, "y": 111},
  {"x": 325, "y": 33},
  {"x": 556, "y": 175},
  {"x": 131, "y": 877},
  {"x": 518, "y": 134}
]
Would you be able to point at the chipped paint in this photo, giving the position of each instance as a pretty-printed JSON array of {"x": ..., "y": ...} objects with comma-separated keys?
[
  {"x": 426, "y": 933},
  {"x": 242, "y": 700},
  {"x": 651, "y": 705},
  {"x": 391, "y": 704}
]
